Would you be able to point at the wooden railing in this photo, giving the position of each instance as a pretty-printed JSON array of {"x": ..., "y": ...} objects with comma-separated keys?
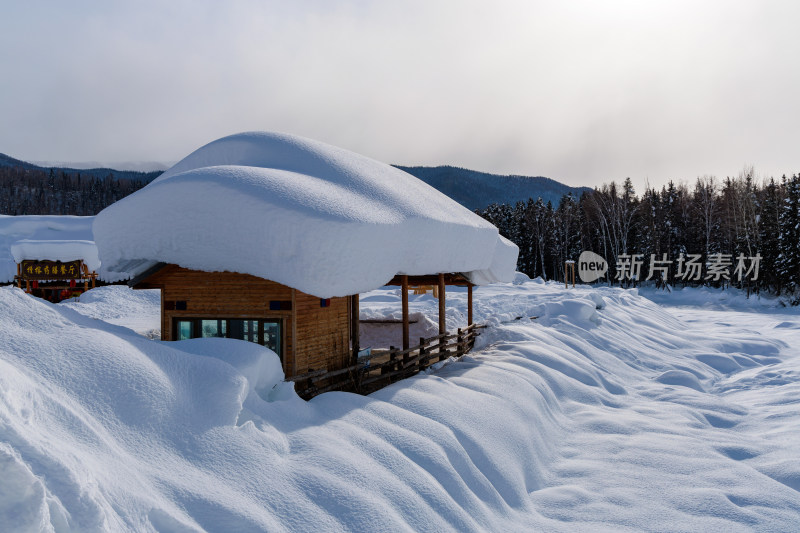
[{"x": 382, "y": 367}]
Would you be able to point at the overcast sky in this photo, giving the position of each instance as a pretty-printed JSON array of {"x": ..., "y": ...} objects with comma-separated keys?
[{"x": 582, "y": 92}]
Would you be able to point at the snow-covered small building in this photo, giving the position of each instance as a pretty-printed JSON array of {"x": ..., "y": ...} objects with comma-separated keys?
[
  {"x": 271, "y": 237},
  {"x": 50, "y": 256}
]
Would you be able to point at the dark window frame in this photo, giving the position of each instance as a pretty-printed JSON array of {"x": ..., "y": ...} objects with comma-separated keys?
[{"x": 196, "y": 328}]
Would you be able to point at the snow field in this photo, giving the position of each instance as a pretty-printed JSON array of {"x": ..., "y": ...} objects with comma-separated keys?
[{"x": 607, "y": 412}]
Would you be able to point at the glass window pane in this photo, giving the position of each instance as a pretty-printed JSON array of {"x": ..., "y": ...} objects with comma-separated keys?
[
  {"x": 184, "y": 330},
  {"x": 246, "y": 330},
  {"x": 212, "y": 328},
  {"x": 251, "y": 330},
  {"x": 272, "y": 336}
]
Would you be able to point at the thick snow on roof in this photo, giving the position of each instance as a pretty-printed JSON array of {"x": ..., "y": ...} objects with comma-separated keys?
[
  {"x": 56, "y": 250},
  {"x": 303, "y": 213},
  {"x": 58, "y": 238}
]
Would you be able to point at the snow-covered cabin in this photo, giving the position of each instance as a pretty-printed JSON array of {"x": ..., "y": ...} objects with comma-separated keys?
[
  {"x": 271, "y": 237},
  {"x": 32, "y": 245}
]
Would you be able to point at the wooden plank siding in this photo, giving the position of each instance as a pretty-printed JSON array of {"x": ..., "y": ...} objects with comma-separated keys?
[
  {"x": 314, "y": 337},
  {"x": 323, "y": 333}
]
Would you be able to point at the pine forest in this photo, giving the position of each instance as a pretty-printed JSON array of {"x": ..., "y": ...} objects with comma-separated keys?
[{"x": 713, "y": 220}]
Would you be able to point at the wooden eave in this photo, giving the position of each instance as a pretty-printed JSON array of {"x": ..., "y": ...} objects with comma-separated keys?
[
  {"x": 140, "y": 281},
  {"x": 143, "y": 281},
  {"x": 456, "y": 279}
]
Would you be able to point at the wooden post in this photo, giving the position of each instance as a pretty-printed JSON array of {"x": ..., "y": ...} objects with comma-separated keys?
[
  {"x": 392, "y": 366},
  {"x": 569, "y": 273},
  {"x": 469, "y": 304},
  {"x": 420, "y": 362},
  {"x": 291, "y": 357},
  {"x": 19, "y": 275},
  {"x": 442, "y": 321},
  {"x": 404, "y": 291},
  {"x": 459, "y": 347},
  {"x": 355, "y": 329}
]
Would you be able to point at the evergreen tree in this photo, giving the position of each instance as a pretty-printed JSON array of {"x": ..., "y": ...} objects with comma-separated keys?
[
  {"x": 769, "y": 235},
  {"x": 788, "y": 264}
]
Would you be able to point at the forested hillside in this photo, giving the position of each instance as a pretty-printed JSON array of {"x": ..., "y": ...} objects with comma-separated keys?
[
  {"x": 718, "y": 221},
  {"x": 477, "y": 190},
  {"x": 27, "y": 189}
]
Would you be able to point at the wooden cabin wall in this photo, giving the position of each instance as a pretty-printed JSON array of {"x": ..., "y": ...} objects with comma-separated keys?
[
  {"x": 323, "y": 333},
  {"x": 314, "y": 337},
  {"x": 221, "y": 295}
]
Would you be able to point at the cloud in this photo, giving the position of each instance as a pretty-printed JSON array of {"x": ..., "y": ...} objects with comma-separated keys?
[{"x": 583, "y": 92}]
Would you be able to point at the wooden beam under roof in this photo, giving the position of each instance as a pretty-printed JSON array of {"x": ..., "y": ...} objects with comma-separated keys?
[{"x": 455, "y": 279}]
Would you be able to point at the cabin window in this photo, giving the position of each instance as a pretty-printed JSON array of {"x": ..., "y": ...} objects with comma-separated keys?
[
  {"x": 184, "y": 330},
  {"x": 266, "y": 332},
  {"x": 246, "y": 330},
  {"x": 213, "y": 328},
  {"x": 272, "y": 335}
]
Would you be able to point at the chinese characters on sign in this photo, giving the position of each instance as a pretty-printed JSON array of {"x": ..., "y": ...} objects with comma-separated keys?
[
  {"x": 688, "y": 267},
  {"x": 44, "y": 270}
]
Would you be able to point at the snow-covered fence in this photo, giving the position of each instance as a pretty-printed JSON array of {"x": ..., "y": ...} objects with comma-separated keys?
[{"x": 382, "y": 367}]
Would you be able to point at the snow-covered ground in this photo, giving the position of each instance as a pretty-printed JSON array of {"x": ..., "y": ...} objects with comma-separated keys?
[{"x": 606, "y": 412}]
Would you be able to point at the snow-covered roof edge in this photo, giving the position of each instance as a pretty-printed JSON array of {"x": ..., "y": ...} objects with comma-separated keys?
[{"x": 56, "y": 250}]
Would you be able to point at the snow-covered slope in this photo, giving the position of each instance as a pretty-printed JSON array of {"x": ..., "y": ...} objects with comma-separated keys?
[
  {"x": 139, "y": 310},
  {"x": 607, "y": 412},
  {"x": 309, "y": 215},
  {"x": 37, "y": 236}
]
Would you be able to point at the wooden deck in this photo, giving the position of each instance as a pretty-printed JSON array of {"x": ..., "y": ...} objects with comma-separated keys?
[{"x": 382, "y": 367}]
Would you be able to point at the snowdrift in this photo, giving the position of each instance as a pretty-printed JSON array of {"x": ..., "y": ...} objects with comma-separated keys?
[
  {"x": 609, "y": 414},
  {"x": 305, "y": 214}
]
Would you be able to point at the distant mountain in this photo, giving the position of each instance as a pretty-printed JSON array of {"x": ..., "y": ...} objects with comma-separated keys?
[
  {"x": 137, "y": 166},
  {"x": 8, "y": 161},
  {"x": 470, "y": 188},
  {"x": 476, "y": 190}
]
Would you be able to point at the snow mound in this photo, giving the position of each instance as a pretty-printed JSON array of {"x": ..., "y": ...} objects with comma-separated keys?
[
  {"x": 264, "y": 374},
  {"x": 578, "y": 310},
  {"x": 520, "y": 278},
  {"x": 303, "y": 213},
  {"x": 123, "y": 413},
  {"x": 139, "y": 310},
  {"x": 680, "y": 378}
]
